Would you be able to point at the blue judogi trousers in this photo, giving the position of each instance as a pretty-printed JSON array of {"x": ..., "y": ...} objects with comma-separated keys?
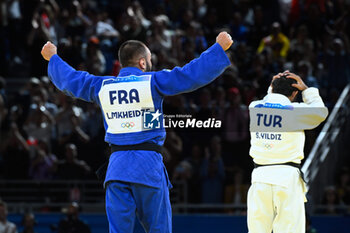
[{"x": 125, "y": 201}]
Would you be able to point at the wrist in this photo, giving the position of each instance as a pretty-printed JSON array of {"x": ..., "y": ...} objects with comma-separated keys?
[
  {"x": 52, "y": 56},
  {"x": 304, "y": 88}
]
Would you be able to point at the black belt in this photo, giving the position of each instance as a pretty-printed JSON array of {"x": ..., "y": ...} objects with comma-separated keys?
[
  {"x": 142, "y": 146},
  {"x": 101, "y": 171},
  {"x": 297, "y": 165}
]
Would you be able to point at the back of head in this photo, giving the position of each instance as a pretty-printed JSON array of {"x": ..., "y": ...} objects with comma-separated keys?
[
  {"x": 283, "y": 85},
  {"x": 130, "y": 52}
]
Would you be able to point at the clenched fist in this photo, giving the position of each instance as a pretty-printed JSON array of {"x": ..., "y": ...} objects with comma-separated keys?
[
  {"x": 224, "y": 40},
  {"x": 48, "y": 50}
]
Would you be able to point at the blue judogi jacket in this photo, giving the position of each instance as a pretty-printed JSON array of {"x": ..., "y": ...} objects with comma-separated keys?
[{"x": 124, "y": 100}]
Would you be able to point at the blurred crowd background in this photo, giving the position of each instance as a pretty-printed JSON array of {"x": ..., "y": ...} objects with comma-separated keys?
[{"x": 46, "y": 135}]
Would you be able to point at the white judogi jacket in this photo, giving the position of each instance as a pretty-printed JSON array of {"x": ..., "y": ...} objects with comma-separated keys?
[{"x": 277, "y": 133}]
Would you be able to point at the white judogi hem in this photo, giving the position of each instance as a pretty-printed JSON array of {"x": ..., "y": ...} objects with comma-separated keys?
[{"x": 276, "y": 200}]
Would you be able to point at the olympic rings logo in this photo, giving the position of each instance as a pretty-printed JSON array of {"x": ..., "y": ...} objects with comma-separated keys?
[
  {"x": 128, "y": 125},
  {"x": 268, "y": 146}
]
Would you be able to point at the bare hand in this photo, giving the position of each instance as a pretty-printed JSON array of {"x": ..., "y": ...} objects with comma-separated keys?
[
  {"x": 48, "y": 50},
  {"x": 286, "y": 72},
  {"x": 224, "y": 40},
  {"x": 300, "y": 85}
]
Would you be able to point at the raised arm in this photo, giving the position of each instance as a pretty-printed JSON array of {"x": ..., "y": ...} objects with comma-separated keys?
[
  {"x": 79, "y": 84},
  {"x": 313, "y": 111},
  {"x": 198, "y": 72}
]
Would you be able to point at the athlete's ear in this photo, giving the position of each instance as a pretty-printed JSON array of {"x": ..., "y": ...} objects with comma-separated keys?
[
  {"x": 294, "y": 94},
  {"x": 142, "y": 64}
]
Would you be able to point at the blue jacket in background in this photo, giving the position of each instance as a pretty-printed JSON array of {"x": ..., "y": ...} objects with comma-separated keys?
[{"x": 124, "y": 100}]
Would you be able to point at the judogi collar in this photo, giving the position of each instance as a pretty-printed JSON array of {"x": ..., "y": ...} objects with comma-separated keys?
[
  {"x": 277, "y": 98},
  {"x": 130, "y": 71}
]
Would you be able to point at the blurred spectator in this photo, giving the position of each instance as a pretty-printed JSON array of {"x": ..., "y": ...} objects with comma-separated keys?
[
  {"x": 39, "y": 123},
  {"x": 187, "y": 18},
  {"x": 235, "y": 128},
  {"x": 303, "y": 43},
  {"x": 72, "y": 50},
  {"x": 161, "y": 38},
  {"x": 220, "y": 98},
  {"x": 69, "y": 119},
  {"x": 337, "y": 61},
  {"x": 211, "y": 24},
  {"x": 315, "y": 21},
  {"x": 305, "y": 72},
  {"x": 243, "y": 58},
  {"x": 92, "y": 124},
  {"x": 135, "y": 9},
  {"x": 195, "y": 37},
  {"x": 174, "y": 146},
  {"x": 133, "y": 28},
  {"x": 28, "y": 223},
  {"x": 219, "y": 103},
  {"x": 5, "y": 226},
  {"x": 15, "y": 25},
  {"x": 15, "y": 151},
  {"x": 204, "y": 112},
  {"x": 71, "y": 168},
  {"x": 72, "y": 223},
  {"x": 236, "y": 191},
  {"x": 259, "y": 29},
  {"x": 46, "y": 94},
  {"x": 331, "y": 202},
  {"x": 165, "y": 62},
  {"x": 212, "y": 173},
  {"x": 95, "y": 61},
  {"x": 343, "y": 186},
  {"x": 105, "y": 30},
  {"x": 195, "y": 160},
  {"x": 173, "y": 143},
  {"x": 182, "y": 172},
  {"x": 42, "y": 30},
  {"x": 75, "y": 22},
  {"x": 276, "y": 43},
  {"x": 201, "y": 8},
  {"x": 44, "y": 164},
  {"x": 109, "y": 38},
  {"x": 238, "y": 29},
  {"x": 260, "y": 76}
]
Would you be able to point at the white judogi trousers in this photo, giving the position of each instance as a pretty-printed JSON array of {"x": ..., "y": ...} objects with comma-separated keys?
[{"x": 276, "y": 204}]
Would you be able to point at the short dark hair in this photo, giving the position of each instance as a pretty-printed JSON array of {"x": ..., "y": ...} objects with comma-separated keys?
[
  {"x": 131, "y": 50},
  {"x": 283, "y": 85}
]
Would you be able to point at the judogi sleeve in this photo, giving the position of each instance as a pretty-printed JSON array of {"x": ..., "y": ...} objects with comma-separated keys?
[
  {"x": 312, "y": 112},
  {"x": 79, "y": 84},
  {"x": 193, "y": 75}
]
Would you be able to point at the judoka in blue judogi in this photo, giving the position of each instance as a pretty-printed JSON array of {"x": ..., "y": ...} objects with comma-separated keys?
[{"x": 136, "y": 181}]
